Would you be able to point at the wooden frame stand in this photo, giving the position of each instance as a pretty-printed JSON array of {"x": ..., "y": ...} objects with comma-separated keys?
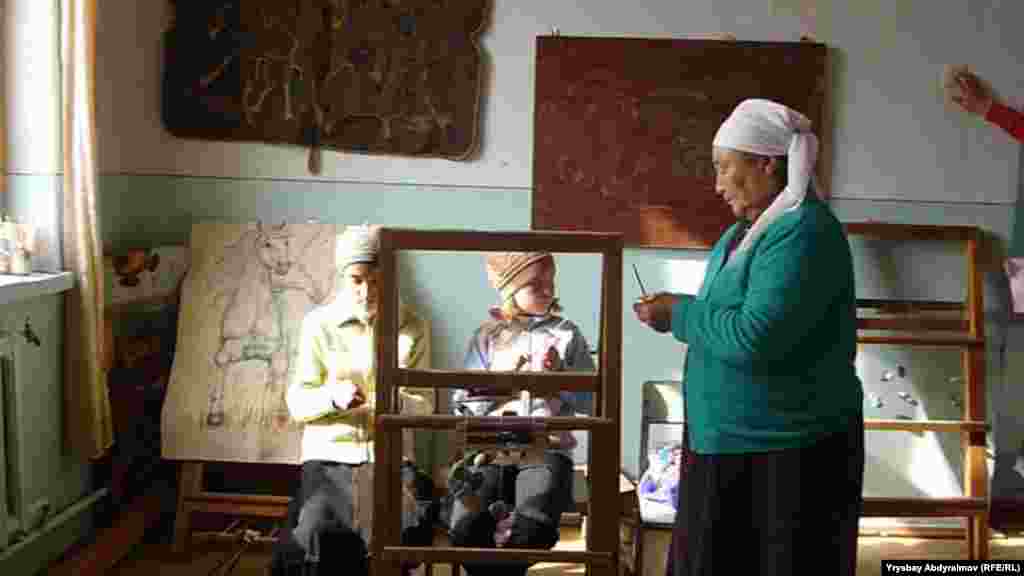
[
  {"x": 602, "y": 529},
  {"x": 192, "y": 497},
  {"x": 931, "y": 324}
]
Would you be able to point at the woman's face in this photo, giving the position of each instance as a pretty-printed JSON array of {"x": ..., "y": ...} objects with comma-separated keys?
[
  {"x": 745, "y": 181},
  {"x": 536, "y": 296}
]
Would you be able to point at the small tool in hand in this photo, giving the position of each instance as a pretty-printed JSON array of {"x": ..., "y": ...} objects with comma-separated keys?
[{"x": 640, "y": 282}]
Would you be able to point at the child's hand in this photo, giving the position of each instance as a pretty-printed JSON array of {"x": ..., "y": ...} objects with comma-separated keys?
[
  {"x": 552, "y": 360},
  {"x": 554, "y": 405},
  {"x": 974, "y": 97},
  {"x": 346, "y": 395}
]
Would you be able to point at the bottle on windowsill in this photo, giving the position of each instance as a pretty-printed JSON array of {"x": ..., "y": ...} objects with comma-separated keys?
[
  {"x": 7, "y": 236},
  {"x": 22, "y": 246},
  {"x": 21, "y": 262}
]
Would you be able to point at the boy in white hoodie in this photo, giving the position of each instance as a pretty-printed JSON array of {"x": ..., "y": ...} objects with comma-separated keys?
[{"x": 332, "y": 392}]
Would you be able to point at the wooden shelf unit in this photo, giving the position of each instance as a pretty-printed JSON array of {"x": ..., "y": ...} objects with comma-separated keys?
[
  {"x": 928, "y": 324},
  {"x": 602, "y": 528}
]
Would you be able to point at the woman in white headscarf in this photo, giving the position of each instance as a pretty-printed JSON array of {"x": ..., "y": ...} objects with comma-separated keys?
[{"x": 775, "y": 426}]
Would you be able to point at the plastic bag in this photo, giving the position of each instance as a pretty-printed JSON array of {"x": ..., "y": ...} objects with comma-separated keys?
[{"x": 659, "y": 485}]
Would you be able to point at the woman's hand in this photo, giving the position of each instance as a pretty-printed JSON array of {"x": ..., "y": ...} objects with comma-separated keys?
[
  {"x": 975, "y": 97},
  {"x": 656, "y": 310}
]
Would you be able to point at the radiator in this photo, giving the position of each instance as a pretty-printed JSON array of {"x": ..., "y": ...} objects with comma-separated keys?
[
  {"x": 18, "y": 515},
  {"x": 45, "y": 504},
  {"x": 12, "y": 454}
]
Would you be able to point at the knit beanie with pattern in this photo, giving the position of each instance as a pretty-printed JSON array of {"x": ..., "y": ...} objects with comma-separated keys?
[{"x": 510, "y": 271}]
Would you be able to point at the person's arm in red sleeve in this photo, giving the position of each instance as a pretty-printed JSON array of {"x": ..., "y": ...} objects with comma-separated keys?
[{"x": 1007, "y": 118}]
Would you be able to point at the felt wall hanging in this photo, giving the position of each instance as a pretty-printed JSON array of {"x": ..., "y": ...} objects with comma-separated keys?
[
  {"x": 623, "y": 129},
  {"x": 397, "y": 77}
]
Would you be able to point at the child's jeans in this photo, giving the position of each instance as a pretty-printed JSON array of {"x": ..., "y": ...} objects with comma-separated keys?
[
  {"x": 535, "y": 494},
  {"x": 320, "y": 538}
]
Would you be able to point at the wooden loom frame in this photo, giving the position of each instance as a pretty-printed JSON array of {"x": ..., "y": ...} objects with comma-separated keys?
[
  {"x": 602, "y": 528},
  {"x": 967, "y": 333}
]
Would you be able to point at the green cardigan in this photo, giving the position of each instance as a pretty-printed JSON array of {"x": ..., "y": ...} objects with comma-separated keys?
[{"x": 772, "y": 338}]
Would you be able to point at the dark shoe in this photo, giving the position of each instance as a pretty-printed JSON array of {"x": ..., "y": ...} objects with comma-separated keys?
[
  {"x": 473, "y": 530},
  {"x": 417, "y": 482},
  {"x": 529, "y": 533}
]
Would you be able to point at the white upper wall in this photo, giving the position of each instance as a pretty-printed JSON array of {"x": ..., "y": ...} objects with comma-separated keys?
[
  {"x": 31, "y": 84},
  {"x": 893, "y": 137}
]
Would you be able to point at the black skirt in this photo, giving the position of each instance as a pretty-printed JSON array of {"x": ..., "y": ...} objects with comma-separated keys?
[{"x": 784, "y": 512}]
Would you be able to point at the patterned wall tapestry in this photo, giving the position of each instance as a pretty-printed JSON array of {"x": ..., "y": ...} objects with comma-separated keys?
[
  {"x": 242, "y": 305},
  {"x": 374, "y": 76}
]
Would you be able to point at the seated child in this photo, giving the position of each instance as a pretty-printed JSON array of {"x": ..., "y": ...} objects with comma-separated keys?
[{"x": 518, "y": 506}]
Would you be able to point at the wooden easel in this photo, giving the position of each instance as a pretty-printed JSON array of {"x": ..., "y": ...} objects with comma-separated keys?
[
  {"x": 957, "y": 325},
  {"x": 602, "y": 529},
  {"x": 193, "y": 498}
]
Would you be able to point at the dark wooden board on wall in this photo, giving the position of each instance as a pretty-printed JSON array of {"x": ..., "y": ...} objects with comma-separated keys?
[
  {"x": 623, "y": 129},
  {"x": 377, "y": 76}
]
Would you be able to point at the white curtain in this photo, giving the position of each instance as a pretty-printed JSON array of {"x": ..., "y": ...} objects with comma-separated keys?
[{"x": 87, "y": 406}]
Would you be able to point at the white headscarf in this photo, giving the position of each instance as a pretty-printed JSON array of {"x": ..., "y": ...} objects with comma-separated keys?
[{"x": 768, "y": 128}]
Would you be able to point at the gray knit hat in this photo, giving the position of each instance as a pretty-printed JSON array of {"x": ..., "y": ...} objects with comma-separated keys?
[{"x": 357, "y": 244}]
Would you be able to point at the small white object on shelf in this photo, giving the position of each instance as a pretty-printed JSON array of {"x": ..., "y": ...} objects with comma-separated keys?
[
  {"x": 21, "y": 262},
  {"x": 17, "y": 244},
  {"x": 7, "y": 235}
]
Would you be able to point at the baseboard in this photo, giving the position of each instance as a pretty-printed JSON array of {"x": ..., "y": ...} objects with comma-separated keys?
[
  {"x": 114, "y": 542},
  {"x": 45, "y": 545}
]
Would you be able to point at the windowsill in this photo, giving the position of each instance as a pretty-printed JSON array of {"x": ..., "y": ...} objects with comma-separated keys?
[{"x": 14, "y": 288}]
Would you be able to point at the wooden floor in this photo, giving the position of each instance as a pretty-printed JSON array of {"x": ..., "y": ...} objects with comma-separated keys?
[{"x": 157, "y": 559}]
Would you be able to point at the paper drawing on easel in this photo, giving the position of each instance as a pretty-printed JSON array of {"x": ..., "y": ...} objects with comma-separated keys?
[
  {"x": 242, "y": 306},
  {"x": 250, "y": 284}
]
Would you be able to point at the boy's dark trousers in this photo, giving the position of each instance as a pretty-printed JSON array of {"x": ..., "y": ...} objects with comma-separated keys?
[
  {"x": 319, "y": 538},
  {"x": 537, "y": 494}
]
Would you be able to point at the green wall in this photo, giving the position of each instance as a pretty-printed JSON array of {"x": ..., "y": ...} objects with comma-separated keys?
[{"x": 452, "y": 289}]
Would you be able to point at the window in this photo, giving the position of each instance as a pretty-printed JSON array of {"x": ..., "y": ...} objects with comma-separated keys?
[{"x": 30, "y": 151}]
